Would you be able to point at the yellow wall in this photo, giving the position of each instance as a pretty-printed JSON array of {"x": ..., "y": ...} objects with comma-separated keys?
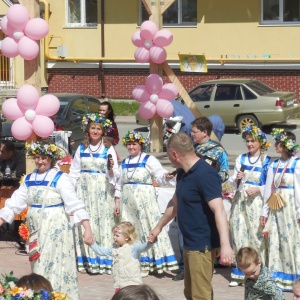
[{"x": 224, "y": 28}]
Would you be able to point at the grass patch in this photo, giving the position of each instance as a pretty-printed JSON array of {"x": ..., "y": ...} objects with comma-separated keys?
[{"x": 125, "y": 108}]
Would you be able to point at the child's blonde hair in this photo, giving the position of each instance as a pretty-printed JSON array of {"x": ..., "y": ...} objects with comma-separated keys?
[
  {"x": 296, "y": 283},
  {"x": 246, "y": 256},
  {"x": 127, "y": 229}
]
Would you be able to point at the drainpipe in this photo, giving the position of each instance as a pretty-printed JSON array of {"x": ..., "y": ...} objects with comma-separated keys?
[{"x": 101, "y": 70}]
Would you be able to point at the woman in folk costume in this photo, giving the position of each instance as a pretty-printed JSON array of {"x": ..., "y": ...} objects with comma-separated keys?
[
  {"x": 249, "y": 179},
  {"x": 281, "y": 211},
  {"x": 93, "y": 170},
  {"x": 136, "y": 201},
  {"x": 51, "y": 197}
]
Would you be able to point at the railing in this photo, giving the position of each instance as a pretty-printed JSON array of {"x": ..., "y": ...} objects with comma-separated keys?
[{"x": 6, "y": 73}]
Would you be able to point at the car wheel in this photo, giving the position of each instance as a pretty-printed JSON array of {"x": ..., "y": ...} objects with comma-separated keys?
[{"x": 246, "y": 120}]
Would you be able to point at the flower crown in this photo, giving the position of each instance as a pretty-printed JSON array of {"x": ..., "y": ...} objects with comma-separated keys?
[
  {"x": 133, "y": 136},
  {"x": 96, "y": 118},
  {"x": 9, "y": 291},
  {"x": 39, "y": 147},
  {"x": 260, "y": 135},
  {"x": 280, "y": 135}
]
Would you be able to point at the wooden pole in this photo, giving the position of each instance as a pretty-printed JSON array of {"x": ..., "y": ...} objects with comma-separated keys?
[
  {"x": 32, "y": 70},
  {"x": 154, "y": 10}
]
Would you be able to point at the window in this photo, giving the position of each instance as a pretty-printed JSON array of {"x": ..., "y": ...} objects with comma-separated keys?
[
  {"x": 228, "y": 92},
  {"x": 202, "y": 93},
  {"x": 248, "y": 94},
  {"x": 181, "y": 12},
  {"x": 81, "y": 13},
  {"x": 280, "y": 11},
  {"x": 93, "y": 105}
]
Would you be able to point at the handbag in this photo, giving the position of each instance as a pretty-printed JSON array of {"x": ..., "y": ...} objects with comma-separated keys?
[
  {"x": 33, "y": 247},
  {"x": 33, "y": 243},
  {"x": 211, "y": 161},
  {"x": 276, "y": 201}
]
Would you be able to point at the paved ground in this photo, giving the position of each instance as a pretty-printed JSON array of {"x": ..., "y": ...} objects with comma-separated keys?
[{"x": 101, "y": 286}]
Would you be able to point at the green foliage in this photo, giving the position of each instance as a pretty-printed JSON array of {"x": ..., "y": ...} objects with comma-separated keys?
[{"x": 125, "y": 108}]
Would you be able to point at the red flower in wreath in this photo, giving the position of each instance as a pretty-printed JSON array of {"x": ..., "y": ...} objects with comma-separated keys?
[{"x": 24, "y": 232}]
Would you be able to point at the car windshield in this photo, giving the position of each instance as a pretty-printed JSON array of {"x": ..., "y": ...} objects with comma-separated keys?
[
  {"x": 259, "y": 87},
  {"x": 62, "y": 108}
]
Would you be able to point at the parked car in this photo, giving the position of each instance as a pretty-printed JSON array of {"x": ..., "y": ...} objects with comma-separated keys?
[
  {"x": 72, "y": 108},
  {"x": 242, "y": 102}
]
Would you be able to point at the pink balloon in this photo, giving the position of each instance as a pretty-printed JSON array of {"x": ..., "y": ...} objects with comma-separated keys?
[
  {"x": 48, "y": 105},
  {"x": 147, "y": 110},
  {"x": 28, "y": 97},
  {"x": 21, "y": 129},
  {"x": 43, "y": 126},
  {"x": 18, "y": 16},
  {"x": 163, "y": 38},
  {"x": 142, "y": 55},
  {"x": 6, "y": 27},
  {"x": 11, "y": 110},
  {"x": 9, "y": 47},
  {"x": 169, "y": 91},
  {"x": 28, "y": 48},
  {"x": 136, "y": 39},
  {"x": 140, "y": 94},
  {"x": 148, "y": 30},
  {"x": 154, "y": 84},
  {"x": 158, "y": 55},
  {"x": 36, "y": 29},
  {"x": 164, "y": 108}
]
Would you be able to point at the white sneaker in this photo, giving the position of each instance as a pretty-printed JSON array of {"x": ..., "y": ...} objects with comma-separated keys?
[
  {"x": 144, "y": 273},
  {"x": 233, "y": 283}
]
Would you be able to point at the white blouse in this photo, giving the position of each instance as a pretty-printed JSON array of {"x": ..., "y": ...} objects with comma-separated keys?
[
  {"x": 72, "y": 205},
  {"x": 153, "y": 166},
  {"x": 76, "y": 163},
  {"x": 268, "y": 188}
]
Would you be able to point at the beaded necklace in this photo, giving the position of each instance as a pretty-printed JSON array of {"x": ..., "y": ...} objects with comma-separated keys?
[
  {"x": 95, "y": 151},
  {"x": 40, "y": 182},
  {"x": 252, "y": 163},
  {"x": 133, "y": 169}
]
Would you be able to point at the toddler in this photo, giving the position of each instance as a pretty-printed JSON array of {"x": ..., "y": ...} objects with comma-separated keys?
[
  {"x": 126, "y": 266},
  {"x": 296, "y": 289},
  {"x": 259, "y": 284}
]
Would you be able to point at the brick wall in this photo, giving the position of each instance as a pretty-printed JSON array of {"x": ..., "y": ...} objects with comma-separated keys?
[{"x": 119, "y": 83}]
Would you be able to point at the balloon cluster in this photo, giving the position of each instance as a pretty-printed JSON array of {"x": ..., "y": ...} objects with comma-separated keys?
[
  {"x": 31, "y": 112},
  {"x": 155, "y": 97},
  {"x": 22, "y": 33},
  {"x": 150, "y": 42}
]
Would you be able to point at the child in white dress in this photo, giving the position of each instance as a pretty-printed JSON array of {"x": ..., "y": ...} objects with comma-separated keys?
[{"x": 126, "y": 268}]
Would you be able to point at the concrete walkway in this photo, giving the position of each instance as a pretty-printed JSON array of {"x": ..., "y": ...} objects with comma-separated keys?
[{"x": 101, "y": 286}]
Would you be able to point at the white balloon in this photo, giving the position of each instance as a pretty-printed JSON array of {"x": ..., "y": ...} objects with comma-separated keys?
[
  {"x": 30, "y": 115},
  {"x": 148, "y": 44},
  {"x": 153, "y": 98},
  {"x": 18, "y": 34}
]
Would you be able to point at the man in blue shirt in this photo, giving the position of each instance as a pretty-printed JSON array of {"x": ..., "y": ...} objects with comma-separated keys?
[{"x": 201, "y": 217}]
